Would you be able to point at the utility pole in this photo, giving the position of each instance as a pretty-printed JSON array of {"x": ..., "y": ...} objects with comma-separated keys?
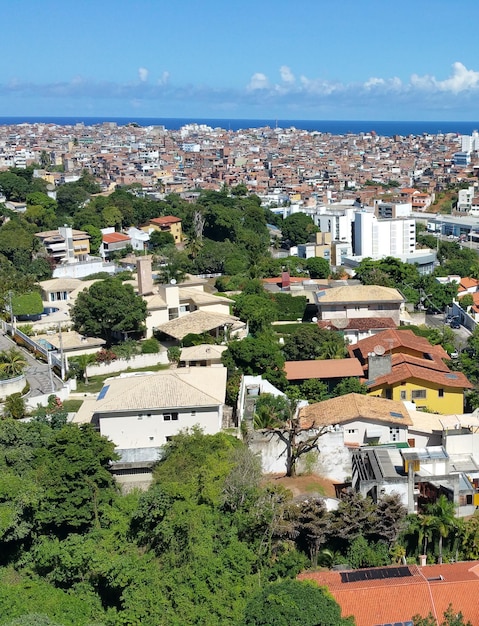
[{"x": 62, "y": 361}]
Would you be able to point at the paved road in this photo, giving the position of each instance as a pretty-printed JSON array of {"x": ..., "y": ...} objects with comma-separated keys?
[
  {"x": 461, "y": 335},
  {"x": 37, "y": 372}
]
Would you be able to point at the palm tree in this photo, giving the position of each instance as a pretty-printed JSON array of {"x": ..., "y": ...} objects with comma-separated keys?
[
  {"x": 443, "y": 520},
  {"x": 12, "y": 363},
  {"x": 83, "y": 361}
]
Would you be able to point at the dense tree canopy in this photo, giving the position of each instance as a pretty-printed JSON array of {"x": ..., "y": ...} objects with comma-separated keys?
[{"x": 109, "y": 308}]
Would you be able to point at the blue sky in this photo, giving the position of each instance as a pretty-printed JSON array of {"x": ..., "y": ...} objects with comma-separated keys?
[{"x": 283, "y": 59}]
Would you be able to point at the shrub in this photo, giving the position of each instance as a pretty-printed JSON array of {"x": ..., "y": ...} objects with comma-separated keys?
[
  {"x": 105, "y": 356},
  {"x": 290, "y": 307},
  {"x": 150, "y": 346}
]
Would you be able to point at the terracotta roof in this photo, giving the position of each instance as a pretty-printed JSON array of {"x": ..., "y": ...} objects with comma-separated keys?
[
  {"x": 361, "y": 323},
  {"x": 353, "y": 406},
  {"x": 165, "y": 220},
  {"x": 406, "y": 371},
  {"x": 429, "y": 589},
  {"x": 467, "y": 283},
  {"x": 115, "y": 238},
  {"x": 326, "y": 368},
  {"x": 391, "y": 340}
]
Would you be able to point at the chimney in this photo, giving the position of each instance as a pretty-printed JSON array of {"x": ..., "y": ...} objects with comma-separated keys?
[
  {"x": 378, "y": 365},
  {"x": 285, "y": 280},
  {"x": 144, "y": 274}
]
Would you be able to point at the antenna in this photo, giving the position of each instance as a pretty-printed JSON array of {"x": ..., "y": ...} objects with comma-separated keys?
[
  {"x": 340, "y": 323},
  {"x": 379, "y": 349}
]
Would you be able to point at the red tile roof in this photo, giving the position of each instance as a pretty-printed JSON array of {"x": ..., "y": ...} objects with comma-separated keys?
[
  {"x": 361, "y": 323},
  {"x": 326, "y": 368},
  {"x": 406, "y": 371},
  {"x": 165, "y": 220},
  {"x": 115, "y": 238},
  {"x": 393, "y": 341},
  {"x": 399, "y": 599},
  {"x": 467, "y": 283}
]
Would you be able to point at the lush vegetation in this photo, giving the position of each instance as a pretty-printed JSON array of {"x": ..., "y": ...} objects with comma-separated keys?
[{"x": 209, "y": 543}]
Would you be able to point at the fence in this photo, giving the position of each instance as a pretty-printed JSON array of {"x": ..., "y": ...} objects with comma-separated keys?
[{"x": 53, "y": 358}]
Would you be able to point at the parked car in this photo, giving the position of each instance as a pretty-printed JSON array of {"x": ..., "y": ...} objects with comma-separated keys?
[{"x": 455, "y": 324}]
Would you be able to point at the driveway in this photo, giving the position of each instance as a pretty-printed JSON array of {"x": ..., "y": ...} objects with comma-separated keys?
[{"x": 37, "y": 373}]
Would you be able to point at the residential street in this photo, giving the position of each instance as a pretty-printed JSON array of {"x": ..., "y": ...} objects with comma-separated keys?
[
  {"x": 37, "y": 373},
  {"x": 461, "y": 334}
]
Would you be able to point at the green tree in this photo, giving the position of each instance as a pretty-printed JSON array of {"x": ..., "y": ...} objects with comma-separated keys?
[
  {"x": 318, "y": 267},
  {"x": 297, "y": 228},
  {"x": 76, "y": 481},
  {"x": 14, "y": 407},
  {"x": 12, "y": 363},
  {"x": 451, "y": 618},
  {"x": 270, "y": 411},
  {"x": 349, "y": 385},
  {"x": 293, "y": 603},
  {"x": 258, "y": 310},
  {"x": 109, "y": 308},
  {"x": 159, "y": 240},
  {"x": 313, "y": 524},
  {"x": 443, "y": 520},
  {"x": 309, "y": 342},
  {"x": 256, "y": 355}
]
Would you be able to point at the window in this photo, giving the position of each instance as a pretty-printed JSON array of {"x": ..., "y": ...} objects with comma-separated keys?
[
  {"x": 170, "y": 417},
  {"x": 394, "y": 434},
  {"x": 403, "y": 395},
  {"x": 352, "y": 431},
  {"x": 417, "y": 394},
  {"x": 440, "y": 393}
]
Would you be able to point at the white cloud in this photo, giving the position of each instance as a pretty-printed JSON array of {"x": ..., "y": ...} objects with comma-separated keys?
[
  {"x": 143, "y": 74},
  {"x": 165, "y": 77},
  {"x": 287, "y": 75},
  {"x": 461, "y": 79},
  {"x": 258, "y": 81}
]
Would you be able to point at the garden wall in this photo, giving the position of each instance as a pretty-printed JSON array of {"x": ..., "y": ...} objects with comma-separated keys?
[{"x": 120, "y": 365}]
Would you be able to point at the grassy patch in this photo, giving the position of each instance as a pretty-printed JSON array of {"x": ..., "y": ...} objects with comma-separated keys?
[
  {"x": 72, "y": 406},
  {"x": 95, "y": 383}
]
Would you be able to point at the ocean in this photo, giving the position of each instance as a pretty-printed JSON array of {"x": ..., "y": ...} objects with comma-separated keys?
[{"x": 333, "y": 127}]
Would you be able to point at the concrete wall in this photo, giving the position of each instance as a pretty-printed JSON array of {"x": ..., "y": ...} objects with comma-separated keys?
[
  {"x": 120, "y": 365},
  {"x": 332, "y": 461}
]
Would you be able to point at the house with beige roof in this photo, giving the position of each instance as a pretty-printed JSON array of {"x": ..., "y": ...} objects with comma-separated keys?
[
  {"x": 141, "y": 412},
  {"x": 359, "y": 301}
]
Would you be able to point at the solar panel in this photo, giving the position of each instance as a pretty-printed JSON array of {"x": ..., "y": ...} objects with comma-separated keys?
[
  {"x": 408, "y": 623},
  {"x": 103, "y": 392},
  {"x": 376, "y": 573}
]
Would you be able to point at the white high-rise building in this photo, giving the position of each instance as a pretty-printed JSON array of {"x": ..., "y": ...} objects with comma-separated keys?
[
  {"x": 378, "y": 238},
  {"x": 469, "y": 143}
]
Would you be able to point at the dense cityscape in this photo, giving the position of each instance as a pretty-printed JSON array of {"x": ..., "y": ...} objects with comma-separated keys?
[{"x": 238, "y": 368}]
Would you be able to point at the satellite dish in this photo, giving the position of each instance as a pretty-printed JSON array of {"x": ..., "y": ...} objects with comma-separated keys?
[
  {"x": 173, "y": 281},
  {"x": 379, "y": 350},
  {"x": 340, "y": 323},
  {"x": 315, "y": 319}
]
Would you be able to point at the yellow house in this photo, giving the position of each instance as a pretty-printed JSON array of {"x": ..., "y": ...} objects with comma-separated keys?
[
  {"x": 399, "y": 365},
  {"x": 437, "y": 391},
  {"x": 166, "y": 224}
]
